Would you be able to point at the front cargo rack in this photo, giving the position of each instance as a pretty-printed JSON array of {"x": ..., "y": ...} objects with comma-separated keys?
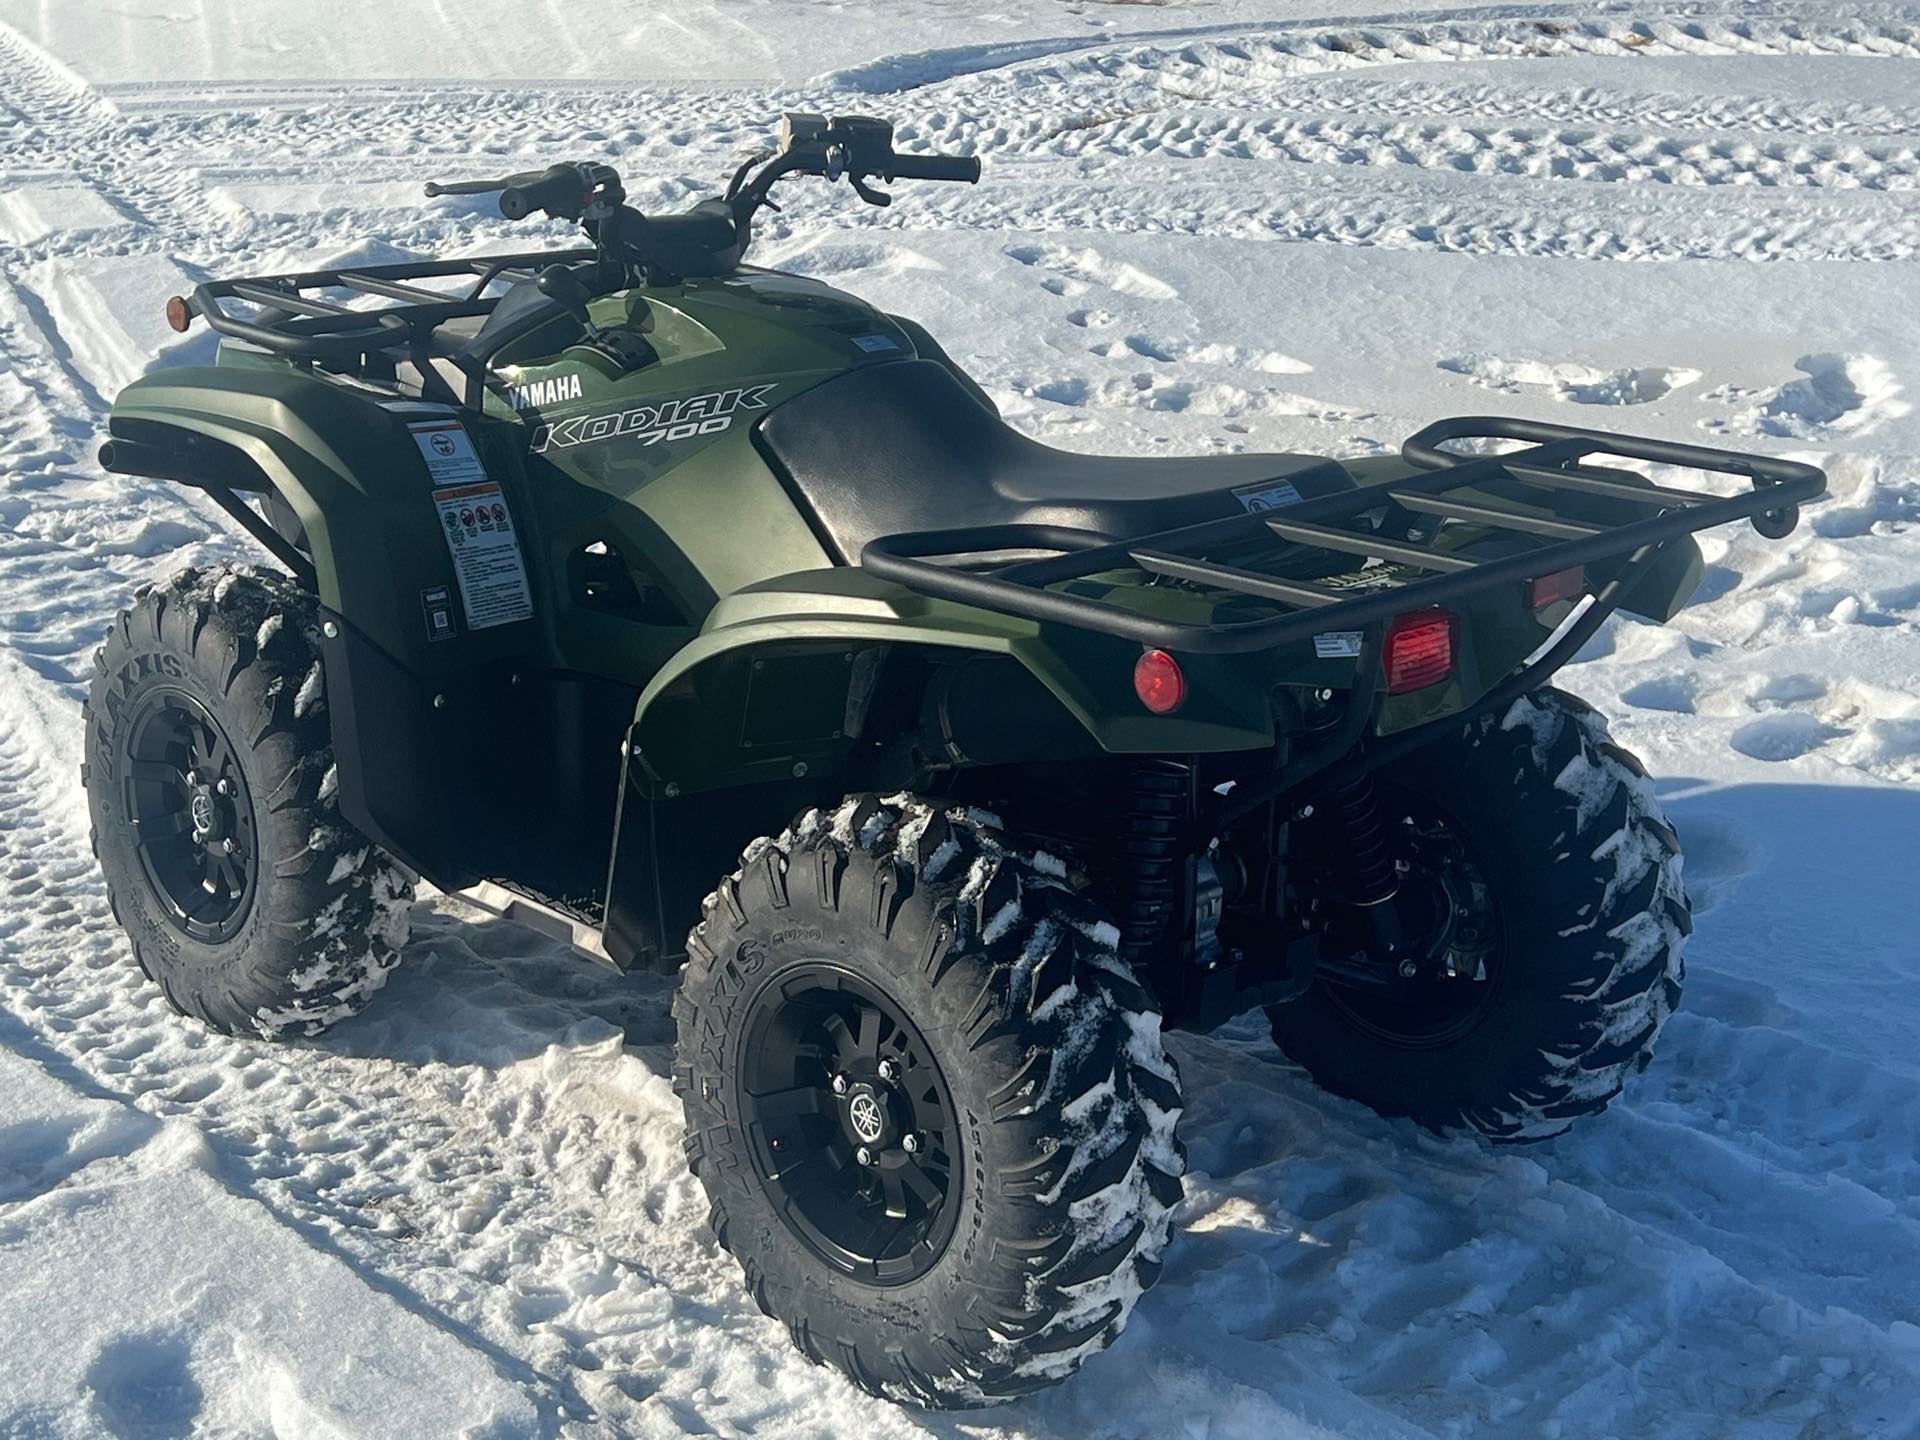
[
  {"x": 1527, "y": 483},
  {"x": 296, "y": 321}
]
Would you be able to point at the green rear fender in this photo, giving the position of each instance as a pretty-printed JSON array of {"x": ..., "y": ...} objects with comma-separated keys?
[{"x": 779, "y": 678}]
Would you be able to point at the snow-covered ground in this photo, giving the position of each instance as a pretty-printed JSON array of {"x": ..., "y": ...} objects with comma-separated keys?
[{"x": 1205, "y": 226}]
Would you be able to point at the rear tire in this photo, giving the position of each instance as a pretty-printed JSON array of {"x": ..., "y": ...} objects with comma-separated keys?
[
  {"x": 209, "y": 774},
  {"x": 1583, "y": 872},
  {"x": 1026, "y": 1061}
]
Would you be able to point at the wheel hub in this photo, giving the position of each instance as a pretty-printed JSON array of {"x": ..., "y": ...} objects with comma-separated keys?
[
  {"x": 187, "y": 799},
  {"x": 1448, "y": 974},
  {"x": 206, "y": 815},
  {"x": 868, "y": 1117},
  {"x": 853, "y": 1131}
]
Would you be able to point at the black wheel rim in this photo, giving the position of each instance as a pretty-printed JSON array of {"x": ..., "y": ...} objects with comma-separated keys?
[
  {"x": 192, "y": 815},
  {"x": 850, "y": 1123},
  {"x": 1441, "y": 1004}
]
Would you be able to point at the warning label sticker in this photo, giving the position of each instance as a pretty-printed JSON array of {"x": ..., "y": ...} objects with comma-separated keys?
[
  {"x": 448, "y": 452},
  {"x": 1266, "y": 495},
  {"x": 486, "y": 554},
  {"x": 1337, "y": 644}
]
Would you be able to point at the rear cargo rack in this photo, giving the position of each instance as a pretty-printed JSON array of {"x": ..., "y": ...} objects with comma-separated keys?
[
  {"x": 293, "y": 320},
  {"x": 1548, "y": 469}
]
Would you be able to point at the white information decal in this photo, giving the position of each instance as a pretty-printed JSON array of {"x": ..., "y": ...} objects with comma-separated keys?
[
  {"x": 486, "y": 554},
  {"x": 1337, "y": 644},
  {"x": 448, "y": 451},
  {"x": 1266, "y": 495}
]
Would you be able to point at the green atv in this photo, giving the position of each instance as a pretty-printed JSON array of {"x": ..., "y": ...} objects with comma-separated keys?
[{"x": 598, "y": 564}]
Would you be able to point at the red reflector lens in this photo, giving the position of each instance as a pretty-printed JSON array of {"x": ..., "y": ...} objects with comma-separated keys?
[
  {"x": 1158, "y": 682},
  {"x": 1419, "y": 650},
  {"x": 179, "y": 313},
  {"x": 1561, "y": 585}
]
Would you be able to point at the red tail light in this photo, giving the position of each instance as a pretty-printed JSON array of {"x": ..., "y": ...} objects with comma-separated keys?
[
  {"x": 1419, "y": 650},
  {"x": 1158, "y": 682},
  {"x": 1561, "y": 585}
]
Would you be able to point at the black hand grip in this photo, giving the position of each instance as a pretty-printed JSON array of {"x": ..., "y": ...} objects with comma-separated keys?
[
  {"x": 933, "y": 167},
  {"x": 560, "y": 191}
]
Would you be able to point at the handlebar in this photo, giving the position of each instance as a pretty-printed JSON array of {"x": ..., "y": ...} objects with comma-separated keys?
[
  {"x": 710, "y": 238},
  {"x": 964, "y": 168}
]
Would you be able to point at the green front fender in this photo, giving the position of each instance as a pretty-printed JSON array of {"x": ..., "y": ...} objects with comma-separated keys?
[
  {"x": 311, "y": 442},
  {"x": 349, "y": 470},
  {"x": 695, "y": 721}
]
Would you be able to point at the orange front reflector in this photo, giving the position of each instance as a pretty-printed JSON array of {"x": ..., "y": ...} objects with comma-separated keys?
[
  {"x": 1158, "y": 682},
  {"x": 1419, "y": 650},
  {"x": 179, "y": 313},
  {"x": 1561, "y": 585}
]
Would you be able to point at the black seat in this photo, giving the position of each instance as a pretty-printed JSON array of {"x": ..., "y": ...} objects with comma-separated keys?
[{"x": 899, "y": 448}]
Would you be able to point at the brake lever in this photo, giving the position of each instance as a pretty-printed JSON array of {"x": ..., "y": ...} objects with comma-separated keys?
[
  {"x": 867, "y": 193},
  {"x": 479, "y": 187}
]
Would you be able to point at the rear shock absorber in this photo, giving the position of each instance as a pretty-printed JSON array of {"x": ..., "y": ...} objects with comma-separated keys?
[
  {"x": 1372, "y": 877},
  {"x": 1153, "y": 848}
]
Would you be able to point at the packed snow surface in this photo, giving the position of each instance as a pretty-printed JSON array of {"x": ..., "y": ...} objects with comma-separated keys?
[{"x": 1204, "y": 227}]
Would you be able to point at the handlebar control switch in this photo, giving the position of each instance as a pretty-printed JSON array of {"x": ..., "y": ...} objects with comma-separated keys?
[
  {"x": 799, "y": 129},
  {"x": 867, "y": 142}
]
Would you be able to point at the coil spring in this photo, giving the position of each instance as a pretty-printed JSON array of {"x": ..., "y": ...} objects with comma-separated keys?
[
  {"x": 1153, "y": 848},
  {"x": 1371, "y": 877}
]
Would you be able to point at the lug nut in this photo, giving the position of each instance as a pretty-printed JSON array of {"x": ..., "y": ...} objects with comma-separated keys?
[
  {"x": 889, "y": 1071},
  {"x": 1408, "y": 969},
  {"x": 193, "y": 777},
  {"x": 227, "y": 845},
  {"x": 225, "y": 787},
  {"x": 910, "y": 1143},
  {"x": 863, "y": 1155},
  {"x": 839, "y": 1084}
]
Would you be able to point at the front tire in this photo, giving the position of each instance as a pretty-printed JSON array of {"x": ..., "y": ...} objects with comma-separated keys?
[
  {"x": 1562, "y": 830},
  {"x": 209, "y": 774},
  {"x": 892, "y": 970}
]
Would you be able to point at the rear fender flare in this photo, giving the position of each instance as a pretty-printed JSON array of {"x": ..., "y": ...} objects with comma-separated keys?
[
  {"x": 688, "y": 724},
  {"x": 764, "y": 702}
]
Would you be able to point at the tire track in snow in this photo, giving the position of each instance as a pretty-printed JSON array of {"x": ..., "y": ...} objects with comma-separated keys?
[
  {"x": 1594, "y": 105},
  {"x": 1411, "y": 210},
  {"x": 1141, "y": 116},
  {"x": 1284, "y": 49},
  {"x": 1671, "y": 158}
]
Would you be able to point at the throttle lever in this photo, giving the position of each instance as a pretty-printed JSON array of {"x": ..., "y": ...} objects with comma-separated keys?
[{"x": 867, "y": 193}]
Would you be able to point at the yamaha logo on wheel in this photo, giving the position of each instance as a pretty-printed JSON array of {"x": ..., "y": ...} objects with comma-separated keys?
[{"x": 865, "y": 1114}]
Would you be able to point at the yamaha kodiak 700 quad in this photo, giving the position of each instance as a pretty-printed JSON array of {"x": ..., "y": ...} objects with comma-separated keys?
[{"x": 596, "y": 565}]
